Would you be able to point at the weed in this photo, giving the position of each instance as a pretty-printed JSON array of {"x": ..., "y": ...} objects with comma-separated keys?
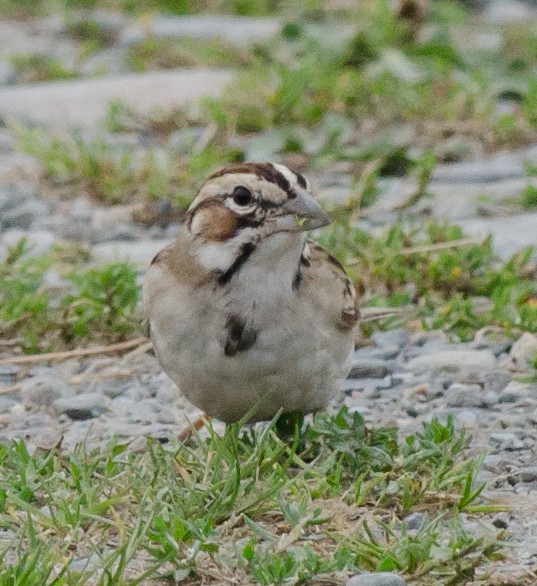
[
  {"x": 440, "y": 271},
  {"x": 164, "y": 53},
  {"x": 120, "y": 117},
  {"x": 29, "y": 8},
  {"x": 95, "y": 304},
  {"x": 91, "y": 31},
  {"x": 528, "y": 198},
  {"x": 246, "y": 505},
  {"x": 381, "y": 79},
  {"x": 118, "y": 173},
  {"x": 36, "y": 67}
]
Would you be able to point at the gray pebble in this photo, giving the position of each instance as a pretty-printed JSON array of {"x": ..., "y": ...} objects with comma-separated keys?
[
  {"x": 7, "y": 73},
  {"x": 523, "y": 352},
  {"x": 6, "y": 403},
  {"x": 398, "y": 337},
  {"x": 507, "y": 441},
  {"x": 496, "y": 380},
  {"x": 509, "y": 398},
  {"x": 38, "y": 241},
  {"x": 8, "y": 373},
  {"x": 167, "y": 417},
  {"x": 463, "y": 395},
  {"x": 454, "y": 360},
  {"x": 501, "y": 520},
  {"x": 136, "y": 392},
  {"x": 490, "y": 398},
  {"x": 7, "y": 535},
  {"x": 466, "y": 418},
  {"x": 144, "y": 412},
  {"x": 371, "y": 354},
  {"x": 24, "y": 214},
  {"x": 377, "y": 579},
  {"x": 502, "y": 437},
  {"x": 484, "y": 476},
  {"x": 494, "y": 463},
  {"x": 17, "y": 411},
  {"x": 415, "y": 521},
  {"x": 369, "y": 369},
  {"x": 83, "y": 406},
  {"x": 528, "y": 474},
  {"x": 114, "y": 388},
  {"x": 533, "y": 417},
  {"x": 44, "y": 388},
  {"x": 235, "y": 29},
  {"x": 86, "y": 564}
]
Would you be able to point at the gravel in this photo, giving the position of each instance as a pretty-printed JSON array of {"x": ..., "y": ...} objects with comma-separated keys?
[
  {"x": 379, "y": 579},
  {"x": 403, "y": 378}
]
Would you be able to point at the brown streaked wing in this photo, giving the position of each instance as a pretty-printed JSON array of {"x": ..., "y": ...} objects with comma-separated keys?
[{"x": 329, "y": 288}]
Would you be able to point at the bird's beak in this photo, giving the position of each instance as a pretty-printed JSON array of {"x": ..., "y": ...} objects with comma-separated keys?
[{"x": 309, "y": 213}]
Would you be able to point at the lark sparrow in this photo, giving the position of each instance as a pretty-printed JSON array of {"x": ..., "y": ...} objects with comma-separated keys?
[{"x": 244, "y": 312}]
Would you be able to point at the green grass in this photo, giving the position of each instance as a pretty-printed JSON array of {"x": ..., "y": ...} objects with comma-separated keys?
[
  {"x": 528, "y": 198},
  {"x": 440, "y": 276},
  {"x": 121, "y": 174},
  {"x": 35, "y": 67},
  {"x": 96, "y": 304},
  {"x": 165, "y": 53},
  {"x": 439, "y": 272},
  {"x": 247, "y": 506},
  {"x": 30, "y": 8},
  {"x": 380, "y": 80}
]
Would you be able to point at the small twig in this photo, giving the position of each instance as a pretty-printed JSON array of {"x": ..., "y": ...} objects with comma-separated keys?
[
  {"x": 76, "y": 353},
  {"x": 441, "y": 246},
  {"x": 138, "y": 351},
  {"x": 10, "y": 342},
  {"x": 376, "y": 313},
  {"x": 12, "y": 389},
  {"x": 206, "y": 137},
  {"x": 356, "y": 201}
]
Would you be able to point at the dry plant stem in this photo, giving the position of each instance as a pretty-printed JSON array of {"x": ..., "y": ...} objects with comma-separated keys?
[
  {"x": 434, "y": 247},
  {"x": 368, "y": 314},
  {"x": 356, "y": 202},
  {"x": 12, "y": 389},
  {"x": 76, "y": 353},
  {"x": 442, "y": 246}
]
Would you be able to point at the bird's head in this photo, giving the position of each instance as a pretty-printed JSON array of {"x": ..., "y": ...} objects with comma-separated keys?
[{"x": 248, "y": 206}]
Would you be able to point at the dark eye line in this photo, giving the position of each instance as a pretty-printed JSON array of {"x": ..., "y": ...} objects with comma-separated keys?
[{"x": 301, "y": 180}]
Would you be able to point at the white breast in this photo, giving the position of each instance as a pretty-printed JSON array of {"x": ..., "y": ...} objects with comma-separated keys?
[{"x": 298, "y": 360}]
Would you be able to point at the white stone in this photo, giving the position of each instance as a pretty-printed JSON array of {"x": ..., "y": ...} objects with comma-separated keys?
[
  {"x": 140, "y": 252},
  {"x": 523, "y": 352},
  {"x": 235, "y": 29},
  {"x": 83, "y": 103},
  {"x": 453, "y": 360},
  {"x": 458, "y": 201},
  {"x": 501, "y": 11},
  {"x": 510, "y": 235},
  {"x": 376, "y": 579}
]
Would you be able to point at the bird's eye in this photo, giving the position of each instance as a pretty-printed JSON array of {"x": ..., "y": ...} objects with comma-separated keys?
[{"x": 242, "y": 196}]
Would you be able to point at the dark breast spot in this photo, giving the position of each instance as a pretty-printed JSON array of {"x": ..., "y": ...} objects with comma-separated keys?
[
  {"x": 239, "y": 337},
  {"x": 297, "y": 279}
]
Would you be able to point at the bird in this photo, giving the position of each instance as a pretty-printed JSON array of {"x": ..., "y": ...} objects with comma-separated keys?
[{"x": 247, "y": 315}]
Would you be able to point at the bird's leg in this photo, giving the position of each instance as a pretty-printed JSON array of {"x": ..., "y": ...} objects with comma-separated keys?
[
  {"x": 288, "y": 425},
  {"x": 186, "y": 433}
]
